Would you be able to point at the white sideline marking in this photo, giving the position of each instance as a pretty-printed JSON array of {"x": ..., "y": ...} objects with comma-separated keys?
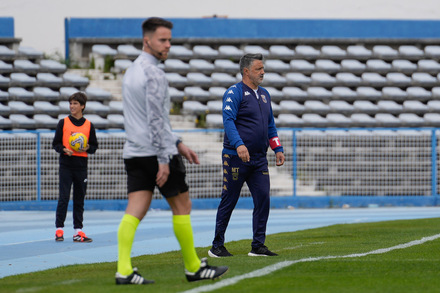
[{"x": 275, "y": 267}]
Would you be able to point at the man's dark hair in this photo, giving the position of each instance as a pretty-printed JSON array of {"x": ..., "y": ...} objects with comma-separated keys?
[
  {"x": 80, "y": 97},
  {"x": 151, "y": 24},
  {"x": 246, "y": 60}
]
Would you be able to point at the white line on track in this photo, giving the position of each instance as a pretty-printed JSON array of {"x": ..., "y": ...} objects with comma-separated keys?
[{"x": 275, "y": 267}]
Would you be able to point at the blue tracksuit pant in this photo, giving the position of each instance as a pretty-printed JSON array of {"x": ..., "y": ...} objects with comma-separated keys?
[{"x": 256, "y": 174}]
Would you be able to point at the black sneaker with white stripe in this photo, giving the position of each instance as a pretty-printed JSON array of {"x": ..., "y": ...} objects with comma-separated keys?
[
  {"x": 220, "y": 251},
  {"x": 261, "y": 251},
  {"x": 134, "y": 278},
  {"x": 206, "y": 272}
]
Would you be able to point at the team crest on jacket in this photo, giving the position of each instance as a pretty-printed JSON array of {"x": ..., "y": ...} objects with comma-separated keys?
[{"x": 263, "y": 97}]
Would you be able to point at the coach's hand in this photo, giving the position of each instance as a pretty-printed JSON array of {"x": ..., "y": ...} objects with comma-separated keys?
[
  {"x": 243, "y": 153},
  {"x": 162, "y": 174},
  {"x": 188, "y": 153},
  {"x": 279, "y": 158}
]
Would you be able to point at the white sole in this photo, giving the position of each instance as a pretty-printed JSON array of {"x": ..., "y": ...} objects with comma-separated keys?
[{"x": 212, "y": 254}]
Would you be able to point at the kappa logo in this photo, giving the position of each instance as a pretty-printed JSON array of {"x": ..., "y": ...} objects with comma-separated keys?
[
  {"x": 228, "y": 100},
  {"x": 246, "y": 93},
  {"x": 227, "y": 108},
  {"x": 230, "y": 92}
]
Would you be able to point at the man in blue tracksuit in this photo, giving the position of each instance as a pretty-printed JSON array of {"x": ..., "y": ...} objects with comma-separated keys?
[{"x": 249, "y": 131}]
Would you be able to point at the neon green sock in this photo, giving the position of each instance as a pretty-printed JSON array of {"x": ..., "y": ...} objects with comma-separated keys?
[
  {"x": 184, "y": 234},
  {"x": 126, "y": 232}
]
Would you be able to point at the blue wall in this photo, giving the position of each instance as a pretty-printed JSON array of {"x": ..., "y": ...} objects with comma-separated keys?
[{"x": 6, "y": 27}]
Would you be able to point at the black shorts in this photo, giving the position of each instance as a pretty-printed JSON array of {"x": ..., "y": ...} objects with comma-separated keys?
[{"x": 142, "y": 171}]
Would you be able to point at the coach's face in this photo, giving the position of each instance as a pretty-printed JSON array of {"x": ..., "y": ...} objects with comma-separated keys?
[
  {"x": 255, "y": 73},
  {"x": 158, "y": 43}
]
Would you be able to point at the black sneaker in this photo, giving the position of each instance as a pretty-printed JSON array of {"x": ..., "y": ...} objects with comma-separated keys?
[
  {"x": 206, "y": 272},
  {"x": 261, "y": 251},
  {"x": 134, "y": 278},
  {"x": 220, "y": 251}
]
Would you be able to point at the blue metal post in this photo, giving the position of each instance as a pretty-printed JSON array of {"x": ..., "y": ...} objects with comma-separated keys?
[
  {"x": 294, "y": 164},
  {"x": 433, "y": 163},
  {"x": 38, "y": 166}
]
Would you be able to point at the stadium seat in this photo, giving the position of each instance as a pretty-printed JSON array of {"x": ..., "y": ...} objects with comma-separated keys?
[
  {"x": 176, "y": 95},
  {"x": 255, "y": 49},
  {"x": 45, "y": 121},
  {"x": 348, "y": 79},
  {"x": 398, "y": 79},
  {"x": 387, "y": 119},
  {"x": 176, "y": 65},
  {"x": 289, "y": 120},
  {"x": 180, "y": 52},
  {"x": 389, "y": 106},
  {"x": 115, "y": 121},
  {"x": 229, "y": 51},
  {"x": 307, "y": 51},
  {"x": 294, "y": 93},
  {"x": 4, "y": 96},
  {"x": 194, "y": 108},
  {"x": 205, "y": 52},
  {"x": 281, "y": 52},
  {"x": 432, "y": 51},
  {"x": 275, "y": 94},
  {"x": 64, "y": 108},
  {"x": 419, "y": 93},
  {"x": 297, "y": 78},
  {"x": 175, "y": 79},
  {"x": 20, "y": 107},
  {"x": 435, "y": 92},
  {"x": 341, "y": 106},
  {"x": 217, "y": 92},
  {"x": 394, "y": 93},
  {"x": 424, "y": 79},
  {"x": 316, "y": 106},
  {"x": 5, "y": 67},
  {"x": 384, "y": 51},
  {"x": 215, "y": 106},
  {"x": 20, "y": 94},
  {"x": 314, "y": 119},
  {"x": 291, "y": 107},
  {"x": 30, "y": 52},
  {"x": 45, "y": 94},
  {"x": 428, "y": 65},
  {"x": 409, "y": 51},
  {"x": 415, "y": 106},
  {"x": 5, "y": 110},
  {"x": 201, "y": 65},
  {"x": 319, "y": 93},
  {"x": 276, "y": 109},
  {"x": 358, "y": 51},
  {"x": 301, "y": 65},
  {"x": 378, "y": 65},
  {"x": 66, "y": 92},
  {"x": 22, "y": 79},
  {"x": 341, "y": 92},
  {"x": 122, "y": 64},
  {"x": 275, "y": 65},
  {"x": 196, "y": 93},
  {"x": 50, "y": 80},
  {"x": 322, "y": 79},
  {"x": 363, "y": 119},
  {"x": 214, "y": 120},
  {"x": 227, "y": 66},
  {"x": 4, "y": 81},
  {"x": 373, "y": 79},
  {"x": 222, "y": 79},
  {"x": 103, "y": 50},
  {"x": 98, "y": 121},
  {"x": 411, "y": 119},
  {"x": 6, "y": 53},
  {"x": 45, "y": 107},
  {"x": 353, "y": 65},
  {"x": 97, "y": 94},
  {"x": 71, "y": 79},
  {"x": 274, "y": 79},
  {"x": 327, "y": 66},
  {"x": 198, "y": 79},
  {"x": 115, "y": 107},
  {"x": 333, "y": 52},
  {"x": 364, "y": 106},
  {"x": 433, "y": 105},
  {"x": 22, "y": 121},
  {"x": 52, "y": 66},
  {"x": 338, "y": 119},
  {"x": 26, "y": 66},
  {"x": 95, "y": 107},
  {"x": 404, "y": 66},
  {"x": 370, "y": 93},
  {"x": 432, "y": 118},
  {"x": 129, "y": 51}
]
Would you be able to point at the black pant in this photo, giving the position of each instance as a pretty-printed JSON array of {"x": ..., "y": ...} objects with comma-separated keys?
[{"x": 79, "y": 180}]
